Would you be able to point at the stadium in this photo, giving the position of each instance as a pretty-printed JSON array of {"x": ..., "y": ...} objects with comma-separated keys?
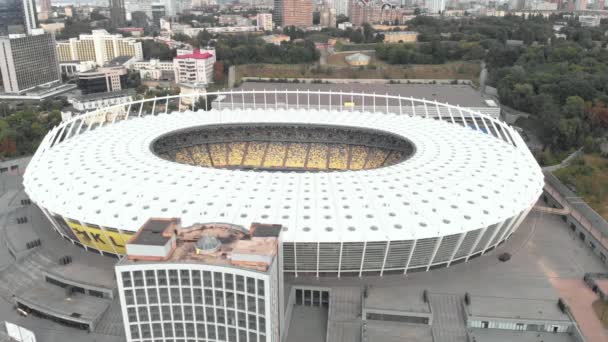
[{"x": 362, "y": 184}]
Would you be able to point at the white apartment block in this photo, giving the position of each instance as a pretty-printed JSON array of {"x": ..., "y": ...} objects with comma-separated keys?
[
  {"x": 99, "y": 46},
  {"x": 195, "y": 67},
  {"x": 264, "y": 21}
]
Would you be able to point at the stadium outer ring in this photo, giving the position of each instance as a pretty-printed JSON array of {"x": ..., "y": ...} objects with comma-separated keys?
[{"x": 371, "y": 256}]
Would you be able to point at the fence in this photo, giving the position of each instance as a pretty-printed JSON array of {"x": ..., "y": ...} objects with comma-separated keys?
[{"x": 282, "y": 100}]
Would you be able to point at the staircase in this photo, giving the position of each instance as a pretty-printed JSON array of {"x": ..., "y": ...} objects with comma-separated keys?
[{"x": 448, "y": 318}]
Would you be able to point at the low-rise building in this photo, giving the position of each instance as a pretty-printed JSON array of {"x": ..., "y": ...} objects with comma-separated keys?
[
  {"x": 103, "y": 80},
  {"x": 73, "y": 68},
  {"x": 153, "y": 69},
  {"x": 233, "y": 20},
  {"x": 194, "y": 31},
  {"x": 99, "y": 46},
  {"x": 276, "y": 39},
  {"x": 345, "y": 25},
  {"x": 400, "y": 37},
  {"x": 83, "y": 103},
  {"x": 358, "y": 59},
  {"x": 195, "y": 67},
  {"x": 589, "y": 20}
]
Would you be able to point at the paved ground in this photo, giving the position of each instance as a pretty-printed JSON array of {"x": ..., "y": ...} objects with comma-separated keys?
[
  {"x": 543, "y": 250},
  {"x": 580, "y": 298},
  {"x": 308, "y": 324}
]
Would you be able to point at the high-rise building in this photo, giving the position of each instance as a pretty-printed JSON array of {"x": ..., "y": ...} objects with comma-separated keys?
[
  {"x": 117, "y": 13},
  {"x": 264, "y": 21},
  {"x": 341, "y": 6},
  {"x": 212, "y": 282},
  {"x": 293, "y": 13},
  {"x": 328, "y": 16},
  {"x": 28, "y": 61},
  {"x": 45, "y": 10},
  {"x": 372, "y": 12},
  {"x": 99, "y": 46},
  {"x": 158, "y": 11},
  {"x": 435, "y": 6},
  {"x": 581, "y": 5},
  {"x": 144, "y": 6},
  {"x": 17, "y": 16}
]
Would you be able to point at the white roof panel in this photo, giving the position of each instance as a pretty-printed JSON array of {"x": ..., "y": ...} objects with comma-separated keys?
[{"x": 457, "y": 180}]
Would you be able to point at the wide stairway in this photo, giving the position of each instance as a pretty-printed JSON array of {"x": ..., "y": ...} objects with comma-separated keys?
[{"x": 448, "y": 318}]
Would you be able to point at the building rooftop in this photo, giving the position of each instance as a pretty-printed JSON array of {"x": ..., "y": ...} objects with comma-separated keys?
[
  {"x": 107, "y": 95},
  {"x": 455, "y": 94},
  {"x": 196, "y": 54},
  {"x": 215, "y": 244},
  {"x": 520, "y": 308}
]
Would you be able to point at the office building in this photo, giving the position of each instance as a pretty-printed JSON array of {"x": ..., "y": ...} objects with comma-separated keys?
[
  {"x": 99, "y": 46},
  {"x": 195, "y": 67},
  {"x": 212, "y": 282},
  {"x": 293, "y": 13},
  {"x": 117, "y": 13},
  {"x": 264, "y": 21},
  {"x": 17, "y": 16},
  {"x": 28, "y": 61},
  {"x": 103, "y": 80}
]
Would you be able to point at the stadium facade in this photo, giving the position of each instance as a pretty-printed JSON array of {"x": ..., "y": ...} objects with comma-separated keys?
[{"x": 357, "y": 191}]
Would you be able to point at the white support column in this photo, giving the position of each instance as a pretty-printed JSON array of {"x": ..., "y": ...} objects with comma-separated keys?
[
  {"x": 409, "y": 258},
  {"x": 400, "y": 106},
  {"x": 458, "y": 244},
  {"x": 426, "y": 110},
  {"x": 141, "y": 108},
  {"x": 485, "y": 125},
  {"x": 451, "y": 115},
  {"x": 464, "y": 121},
  {"x": 498, "y": 228},
  {"x": 154, "y": 105},
  {"x": 413, "y": 106},
  {"x": 129, "y": 111},
  {"x": 318, "y": 247},
  {"x": 362, "y": 259},
  {"x": 509, "y": 227},
  {"x": 437, "y": 244},
  {"x": 295, "y": 258},
  {"x": 340, "y": 259},
  {"x": 388, "y": 245},
  {"x": 483, "y": 231},
  {"x": 386, "y": 100},
  {"x": 297, "y": 99},
  {"x": 438, "y": 111},
  {"x": 330, "y": 95},
  {"x": 520, "y": 220}
]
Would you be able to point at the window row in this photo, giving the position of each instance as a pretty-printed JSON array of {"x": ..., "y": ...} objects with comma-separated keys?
[
  {"x": 193, "y": 278},
  {"x": 195, "y": 296},
  {"x": 198, "y": 314},
  {"x": 192, "y": 330}
]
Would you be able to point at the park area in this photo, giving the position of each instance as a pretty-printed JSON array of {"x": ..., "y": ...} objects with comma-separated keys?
[
  {"x": 336, "y": 68},
  {"x": 588, "y": 177}
]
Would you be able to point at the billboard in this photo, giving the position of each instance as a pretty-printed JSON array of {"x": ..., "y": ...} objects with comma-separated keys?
[{"x": 107, "y": 240}]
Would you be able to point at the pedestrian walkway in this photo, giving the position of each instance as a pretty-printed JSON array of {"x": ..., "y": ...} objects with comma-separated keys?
[{"x": 448, "y": 318}]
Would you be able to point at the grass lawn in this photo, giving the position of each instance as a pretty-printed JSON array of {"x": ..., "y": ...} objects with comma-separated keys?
[
  {"x": 601, "y": 310},
  {"x": 453, "y": 70},
  {"x": 589, "y": 177}
]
